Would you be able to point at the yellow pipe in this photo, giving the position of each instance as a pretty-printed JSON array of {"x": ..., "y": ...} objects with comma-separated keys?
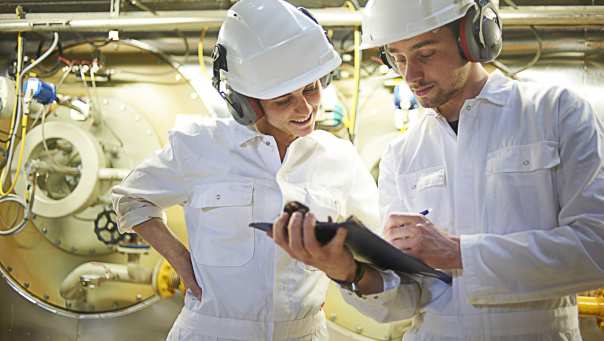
[{"x": 592, "y": 306}]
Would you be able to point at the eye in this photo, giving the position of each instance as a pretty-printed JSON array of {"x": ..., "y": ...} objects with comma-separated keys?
[
  {"x": 426, "y": 54},
  {"x": 283, "y": 102}
]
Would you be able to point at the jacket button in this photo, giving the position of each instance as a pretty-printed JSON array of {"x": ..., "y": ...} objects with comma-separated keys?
[
  {"x": 217, "y": 196},
  {"x": 526, "y": 162}
]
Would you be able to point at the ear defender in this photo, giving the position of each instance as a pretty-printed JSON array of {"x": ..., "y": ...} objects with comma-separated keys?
[
  {"x": 480, "y": 33},
  {"x": 245, "y": 110}
]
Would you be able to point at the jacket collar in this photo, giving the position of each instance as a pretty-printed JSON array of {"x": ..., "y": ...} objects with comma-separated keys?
[{"x": 497, "y": 88}]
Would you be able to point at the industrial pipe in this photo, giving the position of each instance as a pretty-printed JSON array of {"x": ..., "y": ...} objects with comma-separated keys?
[
  {"x": 93, "y": 274},
  {"x": 340, "y": 16},
  {"x": 593, "y": 306}
]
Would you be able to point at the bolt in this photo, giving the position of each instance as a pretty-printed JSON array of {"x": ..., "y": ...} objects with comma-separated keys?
[
  {"x": 139, "y": 297},
  {"x": 26, "y": 285},
  {"x": 44, "y": 230},
  {"x": 359, "y": 330},
  {"x": 45, "y": 297},
  {"x": 9, "y": 269}
]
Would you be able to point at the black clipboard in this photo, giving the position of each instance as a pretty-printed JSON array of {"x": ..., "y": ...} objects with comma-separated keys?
[{"x": 368, "y": 247}]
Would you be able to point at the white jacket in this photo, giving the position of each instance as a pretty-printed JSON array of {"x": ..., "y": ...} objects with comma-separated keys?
[
  {"x": 523, "y": 185},
  {"x": 226, "y": 176}
]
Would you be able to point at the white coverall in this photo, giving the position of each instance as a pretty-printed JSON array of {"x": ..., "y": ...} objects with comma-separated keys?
[
  {"x": 522, "y": 184},
  {"x": 227, "y": 175}
]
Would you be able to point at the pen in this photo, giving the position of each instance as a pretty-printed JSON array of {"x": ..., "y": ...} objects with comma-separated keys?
[{"x": 425, "y": 212}]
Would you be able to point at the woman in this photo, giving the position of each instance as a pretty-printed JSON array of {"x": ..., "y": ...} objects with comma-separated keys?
[{"x": 229, "y": 173}]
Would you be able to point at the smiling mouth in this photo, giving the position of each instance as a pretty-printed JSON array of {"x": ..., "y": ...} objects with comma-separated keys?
[{"x": 303, "y": 121}]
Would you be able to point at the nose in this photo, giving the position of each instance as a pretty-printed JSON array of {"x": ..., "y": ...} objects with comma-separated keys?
[
  {"x": 413, "y": 72},
  {"x": 302, "y": 105}
]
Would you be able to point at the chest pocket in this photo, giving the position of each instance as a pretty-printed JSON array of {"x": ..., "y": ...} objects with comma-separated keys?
[
  {"x": 322, "y": 204},
  {"x": 422, "y": 189},
  {"x": 222, "y": 236},
  {"x": 520, "y": 186}
]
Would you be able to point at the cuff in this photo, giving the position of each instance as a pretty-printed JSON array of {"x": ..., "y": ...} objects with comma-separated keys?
[{"x": 470, "y": 259}]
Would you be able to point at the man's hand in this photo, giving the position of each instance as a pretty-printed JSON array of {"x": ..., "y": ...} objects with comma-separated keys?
[
  {"x": 416, "y": 235},
  {"x": 297, "y": 238}
]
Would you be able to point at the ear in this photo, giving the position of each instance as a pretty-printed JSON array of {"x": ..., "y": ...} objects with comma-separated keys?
[{"x": 256, "y": 106}]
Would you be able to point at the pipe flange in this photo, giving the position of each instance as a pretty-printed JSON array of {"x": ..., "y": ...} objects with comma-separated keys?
[{"x": 92, "y": 159}]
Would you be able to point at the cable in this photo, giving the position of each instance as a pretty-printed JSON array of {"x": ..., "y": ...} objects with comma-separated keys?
[
  {"x": 202, "y": 65},
  {"x": 537, "y": 54},
  {"x": 187, "y": 47},
  {"x": 20, "y": 116},
  {"x": 352, "y": 123},
  {"x": 506, "y": 69}
]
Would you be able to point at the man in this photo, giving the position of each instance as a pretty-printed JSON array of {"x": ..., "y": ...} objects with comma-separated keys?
[{"x": 513, "y": 173}]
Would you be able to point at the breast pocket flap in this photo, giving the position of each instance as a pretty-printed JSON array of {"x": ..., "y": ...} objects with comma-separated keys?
[
  {"x": 417, "y": 181},
  {"x": 524, "y": 158},
  {"x": 224, "y": 195}
]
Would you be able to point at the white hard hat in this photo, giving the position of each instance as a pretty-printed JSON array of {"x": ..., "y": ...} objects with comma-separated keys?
[
  {"x": 387, "y": 21},
  {"x": 272, "y": 49}
]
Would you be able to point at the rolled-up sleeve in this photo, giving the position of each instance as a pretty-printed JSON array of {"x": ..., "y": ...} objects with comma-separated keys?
[{"x": 154, "y": 185}]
